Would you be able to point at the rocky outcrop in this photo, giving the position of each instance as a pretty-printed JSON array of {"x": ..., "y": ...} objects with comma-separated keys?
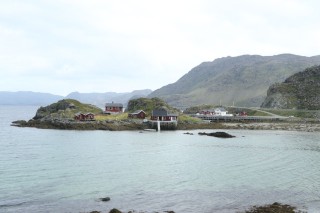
[
  {"x": 64, "y": 110},
  {"x": 275, "y": 207},
  {"x": 60, "y": 115},
  {"x": 300, "y": 91},
  {"x": 132, "y": 211},
  {"x": 149, "y": 104},
  {"x": 217, "y": 134},
  {"x": 86, "y": 125},
  {"x": 105, "y": 199}
]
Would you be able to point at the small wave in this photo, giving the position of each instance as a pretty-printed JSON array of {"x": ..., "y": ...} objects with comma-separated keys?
[{"x": 12, "y": 205}]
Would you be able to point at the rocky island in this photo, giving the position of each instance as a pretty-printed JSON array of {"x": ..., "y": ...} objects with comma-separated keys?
[
  {"x": 62, "y": 115},
  {"x": 73, "y": 115}
]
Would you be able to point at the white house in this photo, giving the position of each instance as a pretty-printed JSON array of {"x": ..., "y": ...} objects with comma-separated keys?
[
  {"x": 221, "y": 112},
  {"x": 214, "y": 112}
]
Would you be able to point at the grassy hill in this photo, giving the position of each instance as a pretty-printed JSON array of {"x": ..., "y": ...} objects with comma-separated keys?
[
  {"x": 148, "y": 104},
  {"x": 242, "y": 80},
  {"x": 65, "y": 109},
  {"x": 299, "y": 91}
]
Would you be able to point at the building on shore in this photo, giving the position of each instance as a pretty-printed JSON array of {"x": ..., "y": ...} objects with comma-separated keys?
[
  {"x": 163, "y": 115},
  {"x": 113, "y": 108},
  {"x": 84, "y": 116},
  {"x": 139, "y": 114},
  {"x": 163, "y": 119},
  {"x": 214, "y": 112}
]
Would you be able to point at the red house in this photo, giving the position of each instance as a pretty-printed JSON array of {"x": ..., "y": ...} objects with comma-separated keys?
[
  {"x": 140, "y": 114},
  {"x": 113, "y": 108},
  {"x": 207, "y": 112},
  {"x": 84, "y": 117},
  {"x": 163, "y": 115}
]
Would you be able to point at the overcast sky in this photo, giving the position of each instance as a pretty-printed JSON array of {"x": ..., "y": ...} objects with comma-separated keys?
[{"x": 61, "y": 46}]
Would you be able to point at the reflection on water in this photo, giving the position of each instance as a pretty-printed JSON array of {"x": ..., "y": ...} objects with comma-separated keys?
[{"x": 67, "y": 171}]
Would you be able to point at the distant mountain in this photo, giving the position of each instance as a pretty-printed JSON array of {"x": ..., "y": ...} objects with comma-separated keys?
[
  {"x": 299, "y": 91},
  {"x": 242, "y": 80},
  {"x": 99, "y": 99},
  {"x": 43, "y": 99},
  {"x": 28, "y": 98}
]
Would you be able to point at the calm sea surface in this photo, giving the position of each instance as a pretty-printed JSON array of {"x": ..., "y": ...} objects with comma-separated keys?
[{"x": 67, "y": 171}]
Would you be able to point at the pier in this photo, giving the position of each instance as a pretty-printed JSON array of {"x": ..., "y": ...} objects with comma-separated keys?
[
  {"x": 212, "y": 118},
  {"x": 163, "y": 125}
]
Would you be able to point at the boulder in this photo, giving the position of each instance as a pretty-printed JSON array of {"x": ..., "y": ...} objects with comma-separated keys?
[
  {"x": 217, "y": 134},
  {"x": 105, "y": 199},
  {"x": 115, "y": 211}
]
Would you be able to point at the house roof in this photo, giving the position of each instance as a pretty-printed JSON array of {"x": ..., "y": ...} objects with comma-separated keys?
[
  {"x": 80, "y": 113},
  {"x": 137, "y": 112},
  {"x": 114, "y": 105},
  {"x": 221, "y": 109},
  {"x": 162, "y": 112}
]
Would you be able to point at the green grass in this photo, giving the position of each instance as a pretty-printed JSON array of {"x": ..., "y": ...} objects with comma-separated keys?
[
  {"x": 104, "y": 117},
  {"x": 189, "y": 119}
]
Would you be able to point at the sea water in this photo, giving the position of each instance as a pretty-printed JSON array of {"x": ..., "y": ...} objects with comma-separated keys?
[{"x": 45, "y": 170}]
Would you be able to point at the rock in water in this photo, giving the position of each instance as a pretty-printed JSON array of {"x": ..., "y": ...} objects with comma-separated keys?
[
  {"x": 275, "y": 207},
  {"x": 105, "y": 199},
  {"x": 114, "y": 211},
  {"x": 217, "y": 134}
]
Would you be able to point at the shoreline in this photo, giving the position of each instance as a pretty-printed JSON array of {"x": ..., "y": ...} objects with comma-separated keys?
[
  {"x": 123, "y": 125},
  {"x": 267, "y": 208}
]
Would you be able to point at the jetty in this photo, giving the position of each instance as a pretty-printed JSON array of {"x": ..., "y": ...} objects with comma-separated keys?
[{"x": 213, "y": 118}]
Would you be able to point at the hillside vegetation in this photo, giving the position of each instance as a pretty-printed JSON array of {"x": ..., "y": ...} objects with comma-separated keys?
[
  {"x": 242, "y": 80},
  {"x": 65, "y": 109},
  {"x": 300, "y": 91},
  {"x": 148, "y": 104}
]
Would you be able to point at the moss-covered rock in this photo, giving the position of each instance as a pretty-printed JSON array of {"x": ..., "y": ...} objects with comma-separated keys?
[
  {"x": 273, "y": 208},
  {"x": 148, "y": 104},
  {"x": 64, "y": 110}
]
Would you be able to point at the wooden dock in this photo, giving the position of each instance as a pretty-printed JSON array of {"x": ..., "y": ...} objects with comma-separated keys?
[
  {"x": 239, "y": 118},
  {"x": 164, "y": 125}
]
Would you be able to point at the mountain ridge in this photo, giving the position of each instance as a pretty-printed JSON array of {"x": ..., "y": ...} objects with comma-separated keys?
[
  {"x": 41, "y": 99},
  {"x": 27, "y": 98},
  {"x": 242, "y": 79}
]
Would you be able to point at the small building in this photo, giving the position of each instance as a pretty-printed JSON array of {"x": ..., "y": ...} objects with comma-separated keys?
[
  {"x": 163, "y": 115},
  {"x": 207, "y": 112},
  {"x": 220, "y": 112},
  {"x": 84, "y": 116},
  {"x": 243, "y": 113},
  {"x": 113, "y": 108},
  {"x": 140, "y": 114},
  {"x": 214, "y": 112}
]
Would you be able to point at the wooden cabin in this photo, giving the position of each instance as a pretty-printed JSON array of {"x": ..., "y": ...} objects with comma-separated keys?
[
  {"x": 139, "y": 114},
  {"x": 113, "y": 108},
  {"x": 84, "y": 116},
  {"x": 163, "y": 115}
]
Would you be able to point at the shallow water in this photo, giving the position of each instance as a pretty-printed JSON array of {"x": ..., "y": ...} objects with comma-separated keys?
[{"x": 67, "y": 171}]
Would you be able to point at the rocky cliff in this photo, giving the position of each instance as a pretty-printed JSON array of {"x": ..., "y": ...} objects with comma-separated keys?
[{"x": 300, "y": 91}]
